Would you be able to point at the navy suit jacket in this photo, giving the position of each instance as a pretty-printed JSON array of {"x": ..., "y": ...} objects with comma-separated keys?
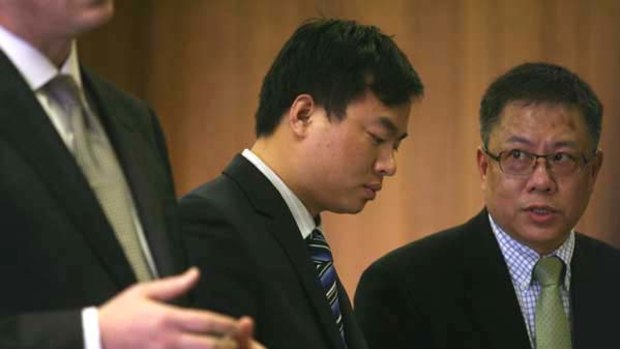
[
  {"x": 453, "y": 290},
  {"x": 254, "y": 261},
  {"x": 58, "y": 252}
]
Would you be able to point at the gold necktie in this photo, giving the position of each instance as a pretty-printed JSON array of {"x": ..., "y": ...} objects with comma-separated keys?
[{"x": 98, "y": 162}]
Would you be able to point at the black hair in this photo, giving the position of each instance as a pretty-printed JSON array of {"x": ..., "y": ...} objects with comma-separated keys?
[
  {"x": 335, "y": 61},
  {"x": 540, "y": 82}
]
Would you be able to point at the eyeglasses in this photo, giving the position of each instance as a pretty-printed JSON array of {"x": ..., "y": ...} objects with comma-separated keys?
[{"x": 522, "y": 163}]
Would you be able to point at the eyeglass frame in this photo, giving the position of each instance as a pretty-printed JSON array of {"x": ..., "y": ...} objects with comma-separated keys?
[{"x": 579, "y": 165}]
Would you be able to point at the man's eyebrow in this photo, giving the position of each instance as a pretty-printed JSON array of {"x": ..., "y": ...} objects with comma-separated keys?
[
  {"x": 391, "y": 127},
  {"x": 525, "y": 141},
  {"x": 519, "y": 140},
  {"x": 562, "y": 144}
]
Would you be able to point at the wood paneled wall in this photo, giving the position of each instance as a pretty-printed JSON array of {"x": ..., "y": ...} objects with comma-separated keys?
[{"x": 200, "y": 64}]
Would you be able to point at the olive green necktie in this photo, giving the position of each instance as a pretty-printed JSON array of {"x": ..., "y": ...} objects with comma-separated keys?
[{"x": 552, "y": 328}]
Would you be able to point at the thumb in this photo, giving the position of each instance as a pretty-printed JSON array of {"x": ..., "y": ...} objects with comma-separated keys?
[{"x": 171, "y": 287}]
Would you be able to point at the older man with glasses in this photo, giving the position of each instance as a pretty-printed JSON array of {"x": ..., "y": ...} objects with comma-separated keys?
[{"x": 517, "y": 275}]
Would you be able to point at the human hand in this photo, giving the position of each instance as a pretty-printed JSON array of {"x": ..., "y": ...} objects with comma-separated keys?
[{"x": 139, "y": 318}]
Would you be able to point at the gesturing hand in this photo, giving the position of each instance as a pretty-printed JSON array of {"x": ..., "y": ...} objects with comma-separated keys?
[{"x": 139, "y": 318}]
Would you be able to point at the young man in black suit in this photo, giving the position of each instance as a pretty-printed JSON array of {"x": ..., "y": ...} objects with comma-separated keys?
[
  {"x": 87, "y": 205},
  {"x": 517, "y": 275},
  {"x": 334, "y": 108}
]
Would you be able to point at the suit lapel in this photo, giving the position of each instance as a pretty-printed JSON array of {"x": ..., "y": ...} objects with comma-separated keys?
[
  {"x": 289, "y": 237},
  {"x": 144, "y": 173},
  {"x": 586, "y": 303},
  {"x": 495, "y": 308},
  {"x": 353, "y": 333},
  {"x": 281, "y": 224},
  {"x": 25, "y": 127}
]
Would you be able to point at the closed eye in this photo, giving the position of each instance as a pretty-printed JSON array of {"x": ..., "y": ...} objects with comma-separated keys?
[
  {"x": 396, "y": 145},
  {"x": 376, "y": 139}
]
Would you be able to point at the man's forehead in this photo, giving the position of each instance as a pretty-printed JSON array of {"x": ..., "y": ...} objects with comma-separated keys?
[
  {"x": 533, "y": 112},
  {"x": 522, "y": 107}
]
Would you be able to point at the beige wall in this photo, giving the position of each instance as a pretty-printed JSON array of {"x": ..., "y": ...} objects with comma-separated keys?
[{"x": 200, "y": 64}]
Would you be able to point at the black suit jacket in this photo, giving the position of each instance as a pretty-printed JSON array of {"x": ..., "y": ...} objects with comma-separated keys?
[
  {"x": 241, "y": 234},
  {"x": 453, "y": 290},
  {"x": 58, "y": 251}
]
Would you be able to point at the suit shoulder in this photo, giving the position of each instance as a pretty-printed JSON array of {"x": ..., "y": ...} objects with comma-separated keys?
[
  {"x": 442, "y": 244},
  {"x": 419, "y": 275},
  {"x": 216, "y": 190},
  {"x": 437, "y": 258},
  {"x": 220, "y": 197},
  {"x": 595, "y": 249},
  {"x": 103, "y": 87}
]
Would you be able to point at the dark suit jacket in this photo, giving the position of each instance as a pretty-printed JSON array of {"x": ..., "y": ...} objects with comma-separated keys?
[
  {"x": 241, "y": 234},
  {"x": 58, "y": 251},
  {"x": 453, "y": 290}
]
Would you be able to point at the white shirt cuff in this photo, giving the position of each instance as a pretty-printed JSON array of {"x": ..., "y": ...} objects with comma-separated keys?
[{"x": 90, "y": 328}]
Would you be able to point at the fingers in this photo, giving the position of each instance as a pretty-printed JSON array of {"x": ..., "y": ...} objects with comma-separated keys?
[
  {"x": 202, "y": 321},
  {"x": 170, "y": 287},
  {"x": 245, "y": 331},
  {"x": 192, "y": 341},
  {"x": 221, "y": 332},
  {"x": 256, "y": 345},
  {"x": 139, "y": 318},
  {"x": 246, "y": 326}
]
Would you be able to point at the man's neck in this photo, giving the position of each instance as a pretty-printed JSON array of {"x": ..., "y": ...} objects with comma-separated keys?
[
  {"x": 57, "y": 52},
  {"x": 277, "y": 153},
  {"x": 56, "y": 49}
]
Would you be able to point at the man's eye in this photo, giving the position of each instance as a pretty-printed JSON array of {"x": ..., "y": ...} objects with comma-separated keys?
[
  {"x": 396, "y": 146},
  {"x": 376, "y": 139},
  {"x": 517, "y": 154},
  {"x": 562, "y": 157}
]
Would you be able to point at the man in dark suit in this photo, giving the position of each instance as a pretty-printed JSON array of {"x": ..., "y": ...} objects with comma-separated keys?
[
  {"x": 87, "y": 206},
  {"x": 334, "y": 108},
  {"x": 517, "y": 275}
]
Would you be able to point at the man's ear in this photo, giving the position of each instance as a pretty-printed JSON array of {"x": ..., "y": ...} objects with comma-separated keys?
[
  {"x": 483, "y": 166},
  {"x": 597, "y": 163},
  {"x": 300, "y": 114}
]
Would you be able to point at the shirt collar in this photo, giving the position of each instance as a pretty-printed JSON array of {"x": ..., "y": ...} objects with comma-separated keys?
[
  {"x": 33, "y": 65},
  {"x": 300, "y": 213},
  {"x": 521, "y": 259}
]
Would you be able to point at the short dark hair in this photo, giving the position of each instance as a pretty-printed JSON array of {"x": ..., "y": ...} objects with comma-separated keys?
[
  {"x": 540, "y": 82},
  {"x": 335, "y": 61}
]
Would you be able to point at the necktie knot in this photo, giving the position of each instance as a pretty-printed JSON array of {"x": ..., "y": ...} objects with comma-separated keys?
[
  {"x": 548, "y": 271},
  {"x": 317, "y": 235},
  {"x": 64, "y": 90},
  {"x": 318, "y": 247}
]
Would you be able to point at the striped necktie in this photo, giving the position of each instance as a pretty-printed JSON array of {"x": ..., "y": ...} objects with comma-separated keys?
[
  {"x": 552, "y": 328},
  {"x": 324, "y": 264}
]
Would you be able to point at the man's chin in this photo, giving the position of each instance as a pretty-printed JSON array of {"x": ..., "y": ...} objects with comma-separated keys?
[
  {"x": 98, "y": 13},
  {"x": 350, "y": 209}
]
